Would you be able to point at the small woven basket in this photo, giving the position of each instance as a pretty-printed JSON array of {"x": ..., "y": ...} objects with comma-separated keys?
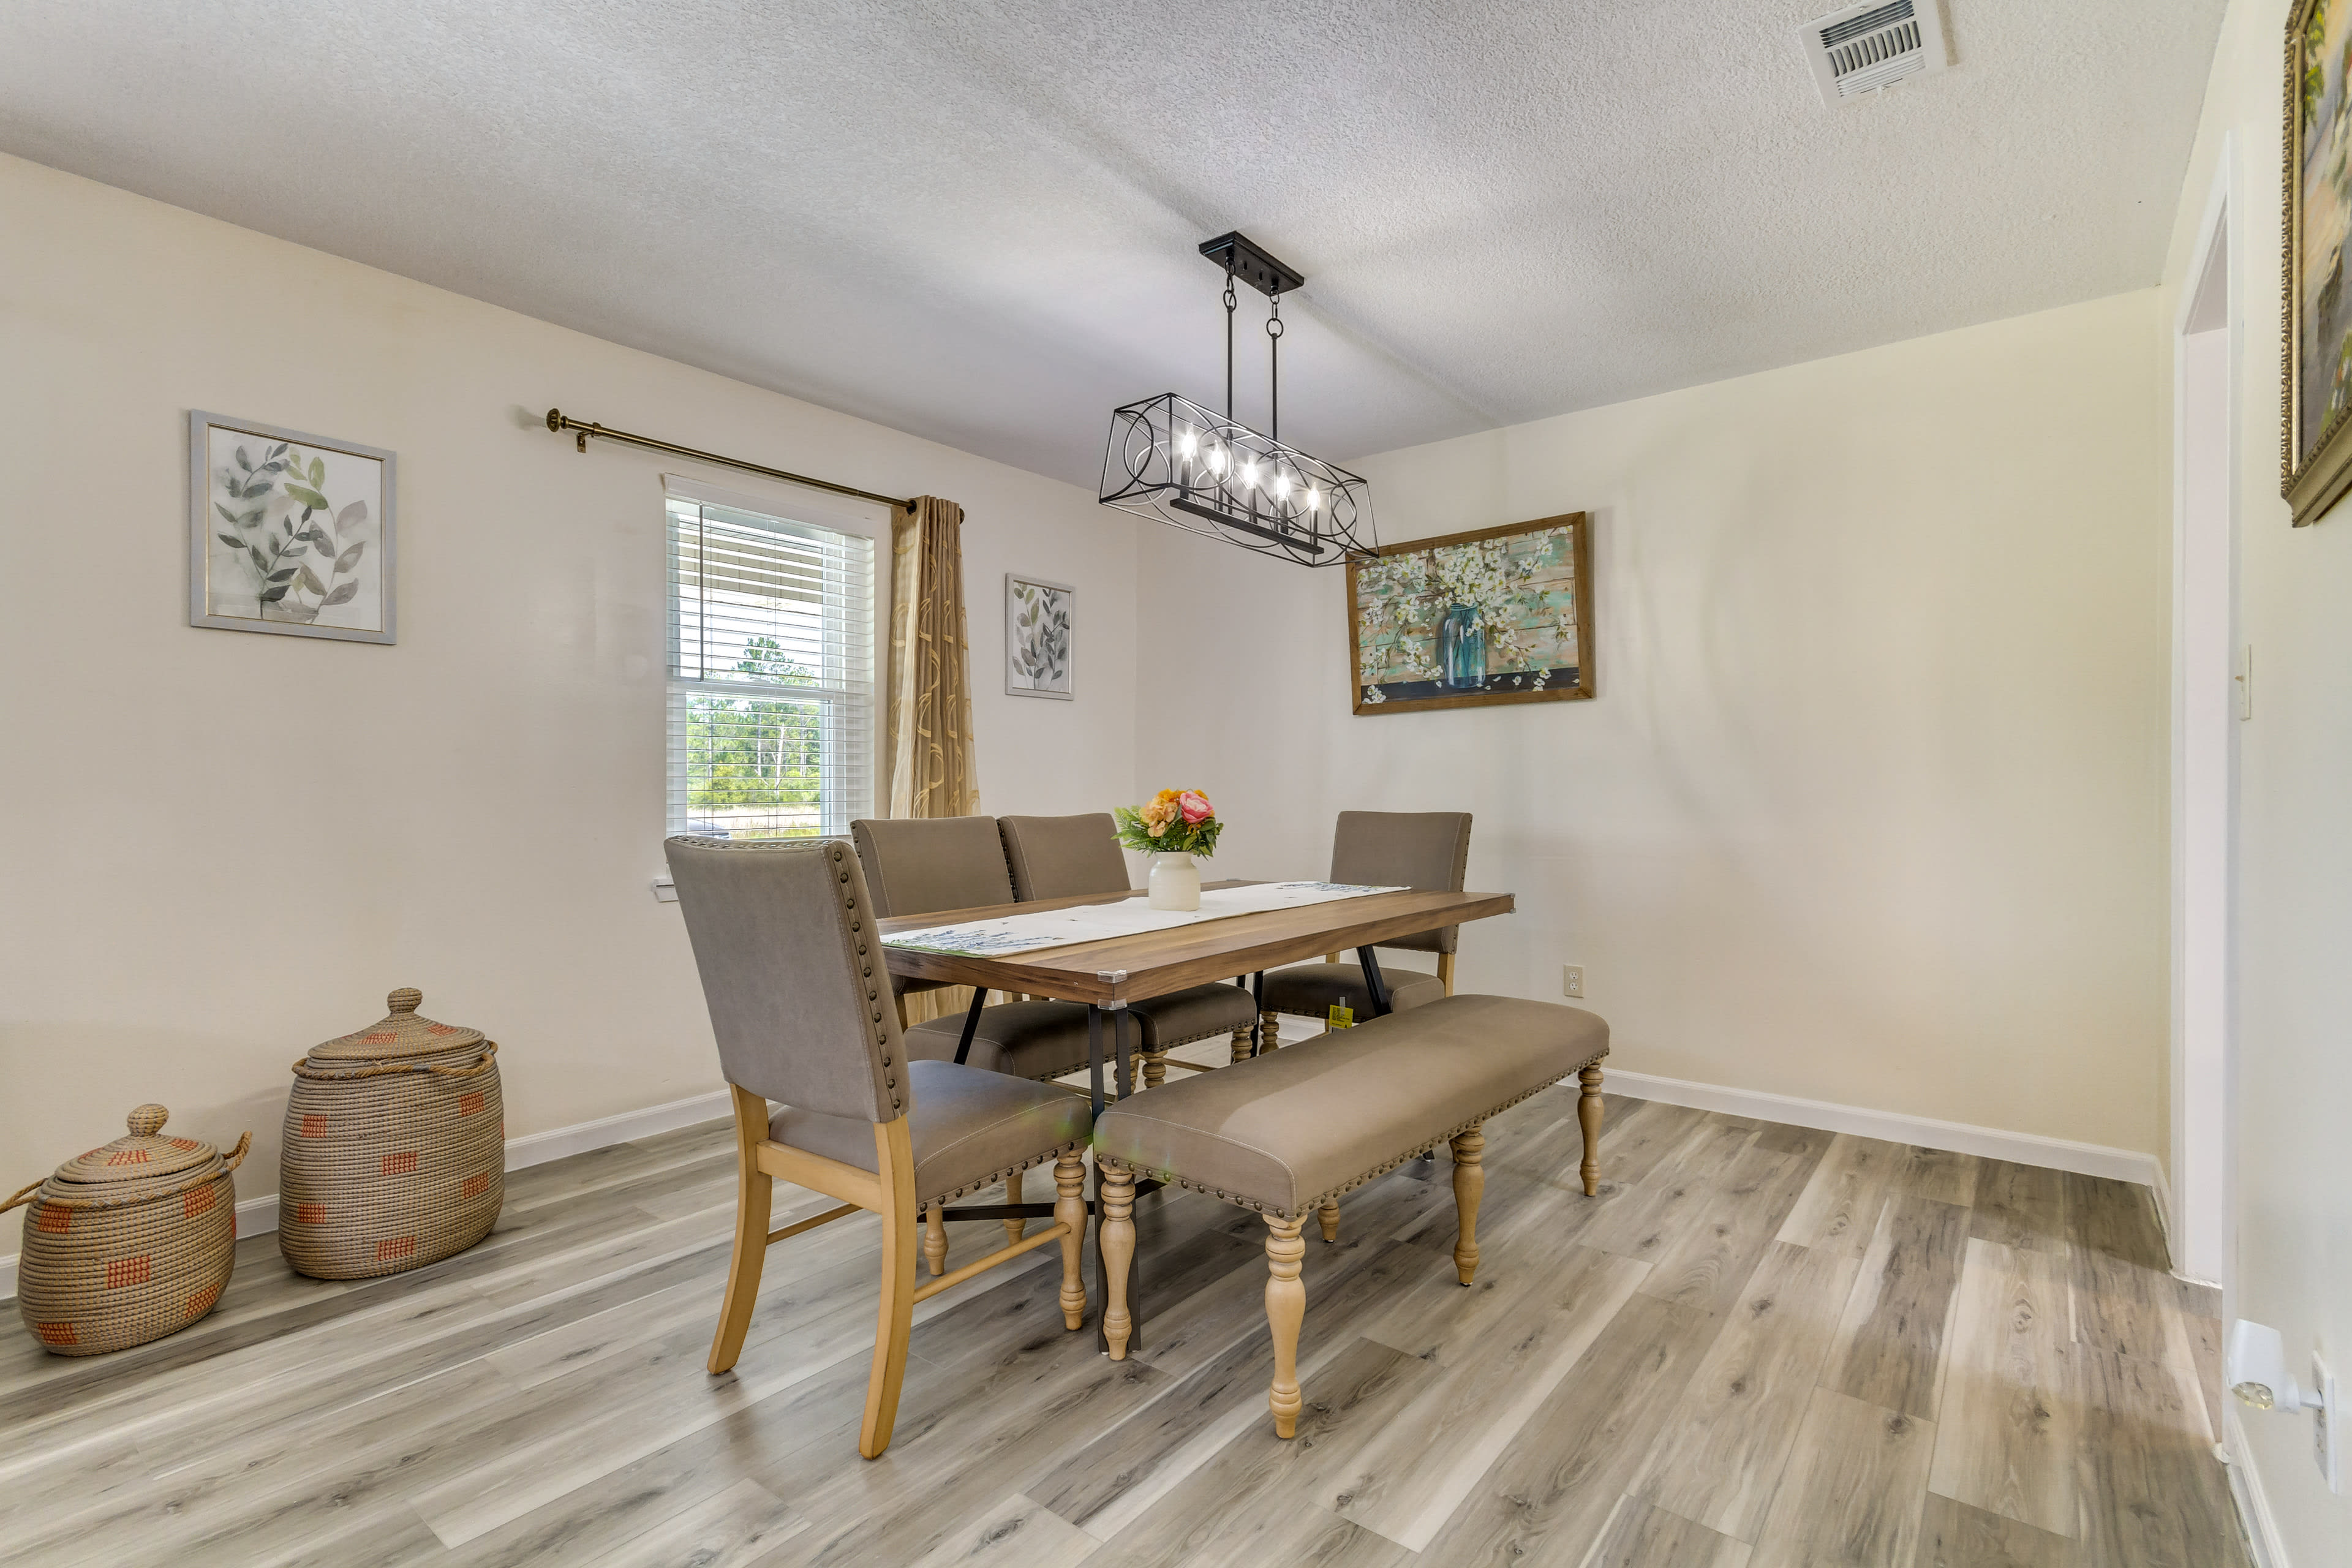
[
  {"x": 395, "y": 1153},
  {"x": 129, "y": 1242}
]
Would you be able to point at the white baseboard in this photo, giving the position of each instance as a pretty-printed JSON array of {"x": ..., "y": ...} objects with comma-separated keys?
[
  {"x": 1959, "y": 1137},
  {"x": 2246, "y": 1491},
  {"x": 259, "y": 1216}
]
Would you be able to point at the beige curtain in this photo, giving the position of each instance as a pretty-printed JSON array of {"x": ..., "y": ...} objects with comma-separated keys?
[{"x": 934, "y": 768}]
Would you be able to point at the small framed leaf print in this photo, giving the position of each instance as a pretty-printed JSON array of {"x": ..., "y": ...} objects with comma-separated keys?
[
  {"x": 1037, "y": 637},
  {"x": 287, "y": 532}
]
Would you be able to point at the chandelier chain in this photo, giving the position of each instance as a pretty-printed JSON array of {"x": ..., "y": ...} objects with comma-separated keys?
[
  {"x": 1230, "y": 300},
  {"x": 1273, "y": 367}
]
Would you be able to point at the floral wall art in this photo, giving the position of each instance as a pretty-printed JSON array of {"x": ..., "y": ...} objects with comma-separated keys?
[
  {"x": 1037, "y": 637},
  {"x": 289, "y": 532},
  {"x": 1501, "y": 614}
]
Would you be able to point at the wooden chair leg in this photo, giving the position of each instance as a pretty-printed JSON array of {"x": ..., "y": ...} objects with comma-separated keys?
[
  {"x": 1285, "y": 1310},
  {"x": 935, "y": 1240},
  {"x": 1155, "y": 1069},
  {"x": 753, "y": 1190},
  {"x": 1327, "y": 1216},
  {"x": 1588, "y": 1112},
  {"x": 895, "y": 1158},
  {"x": 1014, "y": 1227},
  {"x": 1445, "y": 971},
  {"x": 1070, "y": 1209},
  {"x": 1269, "y": 1028},
  {"x": 1241, "y": 1044},
  {"x": 1116, "y": 1188},
  {"x": 1469, "y": 1186}
]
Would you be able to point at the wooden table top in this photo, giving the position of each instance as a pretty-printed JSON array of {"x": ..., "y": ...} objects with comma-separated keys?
[{"x": 1152, "y": 964}]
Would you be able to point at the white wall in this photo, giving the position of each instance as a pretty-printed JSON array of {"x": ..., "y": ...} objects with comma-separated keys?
[
  {"x": 217, "y": 849},
  {"x": 1871, "y": 805},
  {"x": 2294, "y": 1218}
]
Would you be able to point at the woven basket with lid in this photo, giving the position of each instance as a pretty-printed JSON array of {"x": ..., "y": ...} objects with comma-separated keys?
[
  {"x": 129, "y": 1242},
  {"x": 395, "y": 1153}
]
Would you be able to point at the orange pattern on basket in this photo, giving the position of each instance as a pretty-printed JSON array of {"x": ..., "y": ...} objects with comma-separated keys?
[
  {"x": 52, "y": 1221},
  {"x": 399, "y": 1247},
  {"x": 202, "y": 1301},
  {"x": 401, "y": 1165},
  {"x": 383, "y": 1037},
  {"x": 475, "y": 1185},
  {"x": 127, "y": 1157},
  {"x": 57, "y": 1333},
  {"x": 314, "y": 1125},
  {"x": 199, "y": 1200},
  {"x": 123, "y": 1271},
  {"x": 181, "y": 1143},
  {"x": 471, "y": 1103},
  {"x": 310, "y": 1214}
]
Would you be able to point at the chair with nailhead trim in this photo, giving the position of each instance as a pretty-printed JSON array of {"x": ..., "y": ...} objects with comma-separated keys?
[{"x": 799, "y": 996}]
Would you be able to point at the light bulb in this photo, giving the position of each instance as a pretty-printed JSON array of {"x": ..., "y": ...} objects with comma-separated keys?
[
  {"x": 1281, "y": 486},
  {"x": 1249, "y": 474},
  {"x": 1314, "y": 498},
  {"x": 1187, "y": 443},
  {"x": 1216, "y": 459}
]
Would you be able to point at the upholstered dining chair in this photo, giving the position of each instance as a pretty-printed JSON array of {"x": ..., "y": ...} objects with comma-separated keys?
[
  {"x": 919, "y": 865},
  {"x": 792, "y": 971},
  {"x": 1422, "y": 849},
  {"x": 1068, "y": 856}
]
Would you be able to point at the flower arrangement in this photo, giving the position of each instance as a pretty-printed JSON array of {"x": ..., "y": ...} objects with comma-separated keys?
[{"x": 1173, "y": 822}]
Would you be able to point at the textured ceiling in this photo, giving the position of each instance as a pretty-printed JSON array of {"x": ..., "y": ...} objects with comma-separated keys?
[{"x": 978, "y": 221}]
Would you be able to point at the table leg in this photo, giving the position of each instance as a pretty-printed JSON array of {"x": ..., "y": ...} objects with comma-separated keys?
[
  {"x": 970, "y": 1023},
  {"x": 1126, "y": 1086},
  {"x": 1373, "y": 982}
]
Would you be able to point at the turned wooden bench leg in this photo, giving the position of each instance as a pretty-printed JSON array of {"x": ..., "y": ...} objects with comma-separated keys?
[
  {"x": 1285, "y": 1310},
  {"x": 1588, "y": 1113},
  {"x": 1469, "y": 1186},
  {"x": 1242, "y": 1044},
  {"x": 1070, "y": 1209},
  {"x": 935, "y": 1239},
  {"x": 1016, "y": 1226},
  {"x": 1155, "y": 1069},
  {"x": 1269, "y": 1028},
  {"x": 1327, "y": 1216},
  {"x": 1116, "y": 1188}
]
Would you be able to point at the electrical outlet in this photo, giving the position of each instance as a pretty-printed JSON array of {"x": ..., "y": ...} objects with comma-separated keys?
[
  {"x": 2324, "y": 1448},
  {"x": 1571, "y": 980}
]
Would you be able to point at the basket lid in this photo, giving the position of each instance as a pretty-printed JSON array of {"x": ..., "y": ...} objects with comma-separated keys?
[
  {"x": 405, "y": 1032},
  {"x": 140, "y": 1155}
]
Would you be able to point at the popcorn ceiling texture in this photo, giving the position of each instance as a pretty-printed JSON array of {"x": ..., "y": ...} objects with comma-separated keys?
[{"x": 975, "y": 222}]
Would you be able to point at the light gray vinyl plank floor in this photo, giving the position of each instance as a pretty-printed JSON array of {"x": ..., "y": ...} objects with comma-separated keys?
[{"x": 1757, "y": 1345}]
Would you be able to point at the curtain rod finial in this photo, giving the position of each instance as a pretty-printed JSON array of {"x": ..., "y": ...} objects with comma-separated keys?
[{"x": 555, "y": 419}]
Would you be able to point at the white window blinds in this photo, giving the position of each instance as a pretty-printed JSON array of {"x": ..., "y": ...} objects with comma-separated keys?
[{"x": 771, "y": 675}]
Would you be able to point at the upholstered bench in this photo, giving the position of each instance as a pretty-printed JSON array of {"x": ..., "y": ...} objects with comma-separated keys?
[{"x": 1285, "y": 1134}]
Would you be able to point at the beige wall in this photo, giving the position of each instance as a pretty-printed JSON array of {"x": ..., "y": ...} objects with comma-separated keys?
[
  {"x": 1872, "y": 806},
  {"x": 2294, "y": 1220},
  {"x": 217, "y": 849}
]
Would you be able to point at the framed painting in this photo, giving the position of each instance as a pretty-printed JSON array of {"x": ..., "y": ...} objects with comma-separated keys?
[
  {"x": 1501, "y": 614},
  {"x": 288, "y": 532},
  {"x": 2315, "y": 388},
  {"x": 1037, "y": 637}
]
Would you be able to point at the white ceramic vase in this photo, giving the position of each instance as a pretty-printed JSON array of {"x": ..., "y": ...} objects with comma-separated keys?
[{"x": 1175, "y": 883}]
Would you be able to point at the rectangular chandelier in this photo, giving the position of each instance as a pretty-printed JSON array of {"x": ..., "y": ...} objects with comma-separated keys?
[{"x": 1169, "y": 458}]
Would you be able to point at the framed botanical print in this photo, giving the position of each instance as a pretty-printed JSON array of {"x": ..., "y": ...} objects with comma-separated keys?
[
  {"x": 287, "y": 532},
  {"x": 2316, "y": 378},
  {"x": 1037, "y": 637},
  {"x": 1501, "y": 614}
]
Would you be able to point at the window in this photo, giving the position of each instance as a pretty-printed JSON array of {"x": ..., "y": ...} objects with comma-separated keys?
[{"x": 770, "y": 676}]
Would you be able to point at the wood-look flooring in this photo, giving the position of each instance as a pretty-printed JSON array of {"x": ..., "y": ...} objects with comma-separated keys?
[{"x": 1761, "y": 1346}]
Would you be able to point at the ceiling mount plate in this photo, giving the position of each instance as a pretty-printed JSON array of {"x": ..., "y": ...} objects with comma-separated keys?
[{"x": 1251, "y": 264}]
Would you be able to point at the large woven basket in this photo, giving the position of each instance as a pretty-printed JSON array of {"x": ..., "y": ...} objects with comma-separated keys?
[
  {"x": 129, "y": 1242},
  {"x": 394, "y": 1154}
]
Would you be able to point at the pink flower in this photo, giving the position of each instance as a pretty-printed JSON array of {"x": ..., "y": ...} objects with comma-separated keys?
[{"x": 1196, "y": 806}]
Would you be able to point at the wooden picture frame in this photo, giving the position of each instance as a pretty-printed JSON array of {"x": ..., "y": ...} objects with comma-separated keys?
[
  {"x": 1467, "y": 620},
  {"x": 2315, "y": 371},
  {"x": 290, "y": 532}
]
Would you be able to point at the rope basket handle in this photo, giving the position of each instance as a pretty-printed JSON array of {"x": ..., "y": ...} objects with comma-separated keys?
[
  {"x": 237, "y": 1155},
  {"x": 20, "y": 1197},
  {"x": 304, "y": 1068}
]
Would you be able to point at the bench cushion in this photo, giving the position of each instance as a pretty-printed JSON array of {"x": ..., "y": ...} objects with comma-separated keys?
[
  {"x": 969, "y": 1128},
  {"x": 1279, "y": 1134},
  {"x": 1308, "y": 990}
]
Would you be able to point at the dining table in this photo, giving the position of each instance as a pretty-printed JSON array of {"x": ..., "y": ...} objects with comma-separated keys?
[{"x": 1107, "y": 974}]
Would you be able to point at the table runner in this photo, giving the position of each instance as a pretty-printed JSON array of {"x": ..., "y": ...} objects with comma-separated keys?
[{"x": 1132, "y": 916}]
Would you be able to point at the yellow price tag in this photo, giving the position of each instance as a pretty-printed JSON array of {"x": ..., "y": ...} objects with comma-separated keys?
[{"x": 1342, "y": 1015}]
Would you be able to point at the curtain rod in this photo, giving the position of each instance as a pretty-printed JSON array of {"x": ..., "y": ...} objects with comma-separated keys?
[{"x": 559, "y": 421}]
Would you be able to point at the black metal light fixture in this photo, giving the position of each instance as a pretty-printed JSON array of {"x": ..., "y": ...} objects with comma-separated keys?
[{"x": 1171, "y": 459}]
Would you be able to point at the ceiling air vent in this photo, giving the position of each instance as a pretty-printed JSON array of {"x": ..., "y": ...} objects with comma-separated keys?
[{"x": 1860, "y": 48}]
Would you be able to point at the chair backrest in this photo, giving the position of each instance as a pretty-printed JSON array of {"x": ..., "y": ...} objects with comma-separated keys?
[
  {"x": 793, "y": 973},
  {"x": 1427, "y": 849},
  {"x": 917, "y": 865},
  {"x": 1063, "y": 857}
]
